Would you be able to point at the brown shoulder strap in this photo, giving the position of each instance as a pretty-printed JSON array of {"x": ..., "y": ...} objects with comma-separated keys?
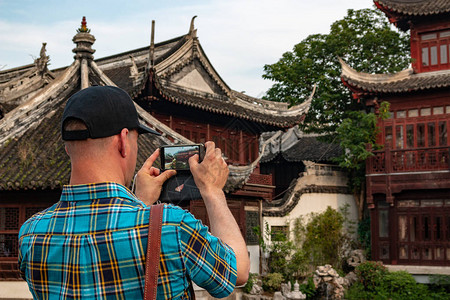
[{"x": 153, "y": 250}]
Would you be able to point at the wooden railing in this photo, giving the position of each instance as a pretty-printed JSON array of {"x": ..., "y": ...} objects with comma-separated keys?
[{"x": 408, "y": 160}]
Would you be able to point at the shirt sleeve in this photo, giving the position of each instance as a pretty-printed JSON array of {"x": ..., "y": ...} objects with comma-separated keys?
[
  {"x": 209, "y": 262},
  {"x": 22, "y": 251}
]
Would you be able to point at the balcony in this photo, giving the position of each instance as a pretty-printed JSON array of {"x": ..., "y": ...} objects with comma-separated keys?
[
  {"x": 390, "y": 161},
  {"x": 392, "y": 171}
]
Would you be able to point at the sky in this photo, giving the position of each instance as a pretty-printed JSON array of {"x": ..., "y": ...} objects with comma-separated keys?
[{"x": 238, "y": 36}]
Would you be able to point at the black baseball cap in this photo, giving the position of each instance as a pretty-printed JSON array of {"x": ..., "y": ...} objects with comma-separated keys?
[{"x": 105, "y": 110}]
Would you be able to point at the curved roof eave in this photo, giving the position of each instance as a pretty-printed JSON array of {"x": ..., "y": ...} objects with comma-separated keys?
[
  {"x": 415, "y": 7},
  {"x": 403, "y": 81}
]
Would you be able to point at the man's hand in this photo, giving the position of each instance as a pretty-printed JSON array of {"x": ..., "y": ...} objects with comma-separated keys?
[
  {"x": 211, "y": 174},
  {"x": 149, "y": 180}
]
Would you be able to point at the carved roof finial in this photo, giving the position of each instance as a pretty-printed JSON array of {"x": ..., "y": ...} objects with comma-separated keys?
[
  {"x": 83, "y": 27},
  {"x": 42, "y": 60},
  {"x": 42, "y": 52},
  {"x": 152, "y": 46},
  {"x": 191, "y": 28},
  {"x": 84, "y": 41}
]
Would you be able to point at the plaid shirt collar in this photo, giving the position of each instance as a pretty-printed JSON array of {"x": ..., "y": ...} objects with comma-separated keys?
[{"x": 92, "y": 191}]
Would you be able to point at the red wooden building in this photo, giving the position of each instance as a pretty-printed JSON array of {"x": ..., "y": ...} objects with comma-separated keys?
[
  {"x": 408, "y": 182},
  {"x": 177, "y": 92}
]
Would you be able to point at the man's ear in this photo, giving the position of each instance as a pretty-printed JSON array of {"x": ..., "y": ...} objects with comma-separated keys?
[{"x": 123, "y": 142}]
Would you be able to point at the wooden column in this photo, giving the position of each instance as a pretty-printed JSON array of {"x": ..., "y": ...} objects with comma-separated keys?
[{"x": 241, "y": 148}]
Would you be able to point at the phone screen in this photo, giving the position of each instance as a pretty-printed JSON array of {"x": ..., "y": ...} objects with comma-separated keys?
[{"x": 177, "y": 157}]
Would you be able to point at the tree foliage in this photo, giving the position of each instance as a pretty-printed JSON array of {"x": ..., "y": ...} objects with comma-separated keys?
[
  {"x": 354, "y": 134},
  {"x": 364, "y": 39}
]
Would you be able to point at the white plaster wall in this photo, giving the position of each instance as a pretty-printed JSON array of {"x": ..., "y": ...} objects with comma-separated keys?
[
  {"x": 253, "y": 251},
  {"x": 315, "y": 202}
]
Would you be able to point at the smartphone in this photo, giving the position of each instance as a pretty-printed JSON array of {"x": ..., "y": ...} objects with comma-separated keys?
[{"x": 176, "y": 157}]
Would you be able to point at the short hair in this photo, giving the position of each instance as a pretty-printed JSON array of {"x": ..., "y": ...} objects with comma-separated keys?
[{"x": 73, "y": 124}]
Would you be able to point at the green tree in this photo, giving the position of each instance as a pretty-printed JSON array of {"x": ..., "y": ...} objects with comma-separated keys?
[
  {"x": 325, "y": 238},
  {"x": 364, "y": 39},
  {"x": 354, "y": 134}
]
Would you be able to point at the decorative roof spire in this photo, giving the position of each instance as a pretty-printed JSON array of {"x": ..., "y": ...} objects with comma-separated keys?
[
  {"x": 152, "y": 46},
  {"x": 83, "y": 27},
  {"x": 84, "y": 41}
]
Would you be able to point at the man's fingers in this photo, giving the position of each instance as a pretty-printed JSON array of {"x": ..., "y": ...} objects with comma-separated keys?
[
  {"x": 210, "y": 146},
  {"x": 193, "y": 161},
  {"x": 154, "y": 171},
  {"x": 166, "y": 175},
  {"x": 218, "y": 153},
  {"x": 149, "y": 162}
]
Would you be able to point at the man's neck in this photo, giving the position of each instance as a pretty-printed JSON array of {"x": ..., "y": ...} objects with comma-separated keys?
[{"x": 93, "y": 174}]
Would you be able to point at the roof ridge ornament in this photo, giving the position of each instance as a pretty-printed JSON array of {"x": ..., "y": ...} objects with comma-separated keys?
[
  {"x": 192, "y": 30},
  {"x": 42, "y": 60},
  {"x": 84, "y": 41},
  {"x": 83, "y": 27},
  {"x": 151, "y": 54}
]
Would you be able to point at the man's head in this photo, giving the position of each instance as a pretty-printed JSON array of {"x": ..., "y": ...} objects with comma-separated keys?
[
  {"x": 100, "y": 127},
  {"x": 105, "y": 110}
]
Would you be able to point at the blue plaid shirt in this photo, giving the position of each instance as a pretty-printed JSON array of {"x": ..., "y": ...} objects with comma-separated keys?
[{"x": 93, "y": 244}]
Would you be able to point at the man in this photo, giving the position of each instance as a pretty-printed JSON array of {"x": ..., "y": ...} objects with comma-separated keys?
[{"x": 93, "y": 242}]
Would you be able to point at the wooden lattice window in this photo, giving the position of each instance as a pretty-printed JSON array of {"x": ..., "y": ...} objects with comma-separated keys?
[
  {"x": 419, "y": 134},
  {"x": 423, "y": 228},
  {"x": 9, "y": 228},
  {"x": 252, "y": 221},
  {"x": 11, "y": 218},
  {"x": 435, "y": 50},
  {"x": 279, "y": 233}
]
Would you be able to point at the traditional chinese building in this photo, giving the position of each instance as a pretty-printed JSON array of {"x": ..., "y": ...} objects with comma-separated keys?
[
  {"x": 306, "y": 180},
  {"x": 176, "y": 91},
  {"x": 408, "y": 182}
]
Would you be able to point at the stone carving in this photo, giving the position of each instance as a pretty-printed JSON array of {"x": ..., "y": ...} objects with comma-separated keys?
[
  {"x": 41, "y": 62},
  {"x": 286, "y": 288},
  {"x": 278, "y": 296},
  {"x": 328, "y": 282},
  {"x": 295, "y": 294}
]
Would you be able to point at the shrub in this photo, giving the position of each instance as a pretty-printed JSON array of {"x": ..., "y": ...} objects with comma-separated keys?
[
  {"x": 370, "y": 275},
  {"x": 272, "y": 282},
  {"x": 376, "y": 282},
  {"x": 308, "y": 288},
  {"x": 252, "y": 279},
  {"x": 402, "y": 285},
  {"x": 440, "y": 283}
]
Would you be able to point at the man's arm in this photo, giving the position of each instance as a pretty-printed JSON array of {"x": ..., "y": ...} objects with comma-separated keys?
[{"x": 210, "y": 177}]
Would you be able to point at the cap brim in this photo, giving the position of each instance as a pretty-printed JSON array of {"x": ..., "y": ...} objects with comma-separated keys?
[{"x": 144, "y": 129}]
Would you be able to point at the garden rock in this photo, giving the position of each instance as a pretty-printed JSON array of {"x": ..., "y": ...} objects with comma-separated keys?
[
  {"x": 356, "y": 258},
  {"x": 328, "y": 282},
  {"x": 351, "y": 278},
  {"x": 256, "y": 288}
]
